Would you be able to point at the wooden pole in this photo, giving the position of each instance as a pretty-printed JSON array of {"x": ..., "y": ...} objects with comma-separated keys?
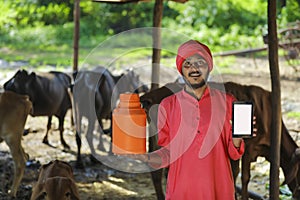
[
  {"x": 76, "y": 15},
  {"x": 276, "y": 101},
  {"x": 156, "y": 52}
]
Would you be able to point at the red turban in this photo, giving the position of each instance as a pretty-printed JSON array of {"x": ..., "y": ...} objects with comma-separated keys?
[{"x": 191, "y": 48}]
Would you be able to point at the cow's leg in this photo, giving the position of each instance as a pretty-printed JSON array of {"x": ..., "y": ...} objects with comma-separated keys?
[
  {"x": 45, "y": 140},
  {"x": 19, "y": 158},
  {"x": 107, "y": 132},
  {"x": 235, "y": 172},
  {"x": 61, "y": 132},
  {"x": 157, "y": 182},
  {"x": 245, "y": 176},
  {"x": 111, "y": 137},
  {"x": 79, "y": 163},
  {"x": 89, "y": 136},
  {"x": 101, "y": 132}
]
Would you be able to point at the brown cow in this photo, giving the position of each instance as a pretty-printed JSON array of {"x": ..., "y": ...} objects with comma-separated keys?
[
  {"x": 55, "y": 182},
  {"x": 14, "y": 109},
  {"x": 257, "y": 146}
]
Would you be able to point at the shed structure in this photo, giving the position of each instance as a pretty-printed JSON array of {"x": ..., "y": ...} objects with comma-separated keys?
[{"x": 273, "y": 64}]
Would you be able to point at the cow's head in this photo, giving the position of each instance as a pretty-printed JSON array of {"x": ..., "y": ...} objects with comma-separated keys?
[
  {"x": 22, "y": 83},
  {"x": 16, "y": 83},
  {"x": 130, "y": 82}
]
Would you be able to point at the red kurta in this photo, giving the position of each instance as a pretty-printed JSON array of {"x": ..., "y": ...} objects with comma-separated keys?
[{"x": 198, "y": 140}]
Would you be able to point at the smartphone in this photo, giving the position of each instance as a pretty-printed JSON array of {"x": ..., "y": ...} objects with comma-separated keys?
[{"x": 242, "y": 119}]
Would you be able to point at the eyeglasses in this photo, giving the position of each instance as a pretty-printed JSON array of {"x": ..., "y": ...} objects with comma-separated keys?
[{"x": 198, "y": 64}]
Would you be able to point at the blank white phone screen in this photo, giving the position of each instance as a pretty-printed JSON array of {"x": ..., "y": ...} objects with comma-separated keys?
[{"x": 242, "y": 119}]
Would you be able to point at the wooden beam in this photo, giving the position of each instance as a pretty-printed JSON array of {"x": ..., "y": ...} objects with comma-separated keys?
[
  {"x": 276, "y": 101},
  {"x": 180, "y": 1},
  {"x": 132, "y": 1},
  {"x": 241, "y": 52},
  {"x": 120, "y": 1},
  {"x": 156, "y": 52},
  {"x": 76, "y": 34},
  {"x": 283, "y": 45}
]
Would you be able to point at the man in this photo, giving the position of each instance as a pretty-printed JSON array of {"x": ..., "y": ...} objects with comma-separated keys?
[{"x": 195, "y": 133}]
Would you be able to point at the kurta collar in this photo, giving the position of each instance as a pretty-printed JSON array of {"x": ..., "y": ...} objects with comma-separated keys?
[{"x": 207, "y": 92}]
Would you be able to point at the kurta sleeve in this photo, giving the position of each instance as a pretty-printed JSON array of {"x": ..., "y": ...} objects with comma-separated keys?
[
  {"x": 236, "y": 153},
  {"x": 162, "y": 126},
  {"x": 163, "y": 139}
]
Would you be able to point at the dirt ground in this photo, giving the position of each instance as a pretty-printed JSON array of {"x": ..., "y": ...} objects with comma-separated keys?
[{"x": 97, "y": 181}]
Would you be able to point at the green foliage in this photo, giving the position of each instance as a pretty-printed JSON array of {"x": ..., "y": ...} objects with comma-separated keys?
[
  {"x": 127, "y": 16},
  {"x": 290, "y": 13},
  {"x": 222, "y": 14},
  {"x": 47, "y": 25},
  {"x": 7, "y": 16},
  {"x": 228, "y": 24},
  {"x": 294, "y": 115},
  {"x": 20, "y": 13},
  {"x": 39, "y": 37}
]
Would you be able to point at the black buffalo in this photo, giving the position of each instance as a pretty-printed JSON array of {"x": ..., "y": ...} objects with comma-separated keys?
[
  {"x": 256, "y": 146},
  {"x": 49, "y": 94},
  {"x": 95, "y": 95}
]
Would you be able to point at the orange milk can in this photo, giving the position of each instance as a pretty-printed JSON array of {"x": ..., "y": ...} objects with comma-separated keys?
[{"x": 129, "y": 126}]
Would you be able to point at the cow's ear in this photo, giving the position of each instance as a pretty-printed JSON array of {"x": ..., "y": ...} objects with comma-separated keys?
[
  {"x": 20, "y": 72},
  {"x": 74, "y": 191},
  {"x": 23, "y": 71},
  {"x": 32, "y": 75},
  {"x": 31, "y": 78},
  {"x": 38, "y": 192},
  {"x": 44, "y": 166}
]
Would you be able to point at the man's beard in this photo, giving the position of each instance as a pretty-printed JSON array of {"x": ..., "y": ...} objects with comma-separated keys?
[
  {"x": 198, "y": 85},
  {"x": 195, "y": 85}
]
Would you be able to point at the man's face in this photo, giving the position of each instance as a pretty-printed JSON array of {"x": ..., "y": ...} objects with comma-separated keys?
[{"x": 195, "y": 71}]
